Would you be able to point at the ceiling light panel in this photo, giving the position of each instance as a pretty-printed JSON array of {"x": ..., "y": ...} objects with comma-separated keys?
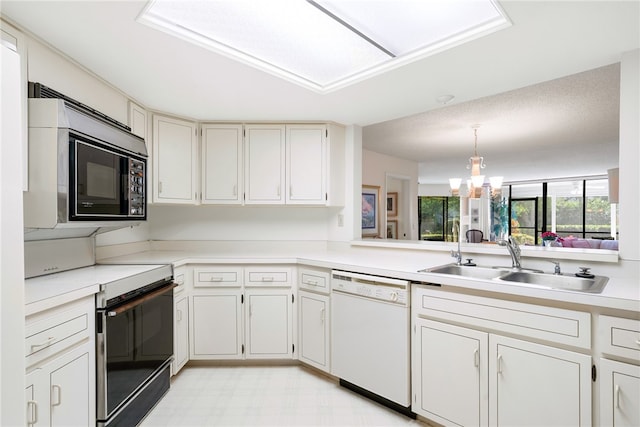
[{"x": 323, "y": 45}]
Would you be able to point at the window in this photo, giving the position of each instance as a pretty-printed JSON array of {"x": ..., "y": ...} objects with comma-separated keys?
[{"x": 437, "y": 216}]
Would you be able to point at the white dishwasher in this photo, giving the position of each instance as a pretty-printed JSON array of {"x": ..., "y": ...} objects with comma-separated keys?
[{"x": 370, "y": 337}]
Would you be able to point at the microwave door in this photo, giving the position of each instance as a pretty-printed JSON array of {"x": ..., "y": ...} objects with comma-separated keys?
[{"x": 100, "y": 182}]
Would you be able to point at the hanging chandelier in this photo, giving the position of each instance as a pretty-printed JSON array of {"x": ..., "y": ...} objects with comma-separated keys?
[{"x": 475, "y": 183}]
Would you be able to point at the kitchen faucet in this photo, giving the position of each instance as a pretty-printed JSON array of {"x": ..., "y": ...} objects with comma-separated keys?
[
  {"x": 454, "y": 254},
  {"x": 514, "y": 251}
]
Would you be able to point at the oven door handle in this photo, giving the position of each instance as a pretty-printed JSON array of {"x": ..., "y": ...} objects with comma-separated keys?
[{"x": 138, "y": 301}]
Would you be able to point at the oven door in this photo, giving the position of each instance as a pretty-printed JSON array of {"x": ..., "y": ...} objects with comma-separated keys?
[
  {"x": 134, "y": 342},
  {"x": 98, "y": 184}
]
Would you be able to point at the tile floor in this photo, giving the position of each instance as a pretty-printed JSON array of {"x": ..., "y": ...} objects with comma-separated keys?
[{"x": 265, "y": 396}]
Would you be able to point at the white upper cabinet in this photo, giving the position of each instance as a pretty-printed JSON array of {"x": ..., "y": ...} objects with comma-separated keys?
[
  {"x": 306, "y": 162},
  {"x": 175, "y": 154},
  {"x": 222, "y": 164},
  {"x": 264, "y": 164},
  {"x": 138, "y": 120}
]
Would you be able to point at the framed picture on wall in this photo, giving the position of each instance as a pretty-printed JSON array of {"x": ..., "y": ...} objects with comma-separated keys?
[
  {"x": 370, "y": 210},
  {"x": 392, "y": 204},
  {"x": 392, "y": 229}
]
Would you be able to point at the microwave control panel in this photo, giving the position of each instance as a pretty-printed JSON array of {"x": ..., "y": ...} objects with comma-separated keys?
[{"x": 137, "y": 183}]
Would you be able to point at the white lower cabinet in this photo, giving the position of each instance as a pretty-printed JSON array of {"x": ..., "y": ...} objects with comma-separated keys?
[
  {"x": 619, "y": 379},
  {"x": 217, "y": 325},
  {"x": 471, "y": 377},
  {"x": 314, "y": 327},
  {"x": 180, "y": 333},
  {"x": 59, "y": 394},
  {"x": 60, "y": 362},
  {"x": 450, "y": 373},
  {"x": 269, "y": 323},
  {"x": 241, "y": 312},
  {"x": 619, "y": 394},
  {"x": 533, "y": 384}
]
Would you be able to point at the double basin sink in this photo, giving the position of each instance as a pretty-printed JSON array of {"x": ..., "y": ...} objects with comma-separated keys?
[{"x": 504, "y": 274}]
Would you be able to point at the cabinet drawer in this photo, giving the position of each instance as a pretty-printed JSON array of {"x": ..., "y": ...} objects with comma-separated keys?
[
  {"x": 179, "y": 278},
  {"x": 551, "y": 324},
  {"x": 314, "y": 280},
  {"x": 217, "y": 276},
  {"x": 268, "y": 276},
  {"x": 620, "y": 337},
  {"x": 57, "y": 329}
]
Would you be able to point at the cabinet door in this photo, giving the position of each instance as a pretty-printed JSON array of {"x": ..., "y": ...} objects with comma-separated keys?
[
  {"x": 216, "y": 325},
  {"x": 264, "y": 164},
  {"x": 268, "y": 323},
  {"x": 222, "y": 164},
  {"x": 71, "y": 402},
  {"x": 314, "y": 329},
  {"x": 450, "y": 373},
  {"x": 619, "y": 394},
  {"x": 138, "y": 120},
  {"x": 175, "y": 151},
  {"x": 533, "y": 384},
  {"x": 181, "y": 334},
  {"x": 306, "y": 164}
]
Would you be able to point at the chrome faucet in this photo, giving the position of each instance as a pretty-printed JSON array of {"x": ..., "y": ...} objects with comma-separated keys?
[
  {"x": 454, "y": 254},
  {"x": 514, "y": 251},
  {"x": 556, "y": 270}
]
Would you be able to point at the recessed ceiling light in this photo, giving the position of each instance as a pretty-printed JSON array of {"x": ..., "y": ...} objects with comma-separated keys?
[{"x": 325, "y": 45}]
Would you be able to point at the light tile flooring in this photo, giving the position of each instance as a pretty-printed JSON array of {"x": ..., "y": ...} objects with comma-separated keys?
[{"x": 265, "y": 396}]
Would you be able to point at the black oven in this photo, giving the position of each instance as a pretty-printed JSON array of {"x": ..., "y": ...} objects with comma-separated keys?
[
  {"x": 134, "y": 350},
  {"x": 105, "y": 183}
]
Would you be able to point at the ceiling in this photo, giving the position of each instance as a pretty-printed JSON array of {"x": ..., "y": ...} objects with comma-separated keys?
[{"x": 543, "y": 90}]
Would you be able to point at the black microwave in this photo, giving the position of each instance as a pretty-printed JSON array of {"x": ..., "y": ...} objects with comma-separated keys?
[{"x": 104, "y": 182}]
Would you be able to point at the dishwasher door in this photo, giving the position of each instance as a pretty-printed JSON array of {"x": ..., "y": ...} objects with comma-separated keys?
[{"x": 370, "y": 345}]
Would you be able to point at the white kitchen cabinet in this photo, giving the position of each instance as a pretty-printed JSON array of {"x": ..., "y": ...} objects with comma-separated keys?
[
  {"x": 138, "y": 120},
  {"x": 539, "y": 385},
  {"x": 180, "y": 320},
  {"x": 306, "y": 164},
  {"x": 175, "y": 166},
  {"x": 59, "y": 392},
  {"x": 216, "y": 321},
  {"x": 60, "y": 362},
  {"x": 619, "y": 379},
  {"x": 269, "y": 323},
  {"x": 314, "y": 329},
  {"x": 450, "y": 373},
  {"x": 529, "y": 383},
  {"x": 222, "y": 164},
  {"x": 619, "y": 394},
  {"x": 217, "y": 331},
  {"x": 264, "y": 164}
]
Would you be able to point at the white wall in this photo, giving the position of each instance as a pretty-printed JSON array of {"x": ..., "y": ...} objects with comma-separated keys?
[
  {"x": 238, "y": 223},
  {"x": 12, "y": 410},
  {"x": 375, "y": 169},
  {"x": 630, "y": 156}
]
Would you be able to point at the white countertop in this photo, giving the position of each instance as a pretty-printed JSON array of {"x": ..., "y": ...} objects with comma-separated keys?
[
  {"x": 55, "y": 289},
  {"x": 619, "y": 293}
]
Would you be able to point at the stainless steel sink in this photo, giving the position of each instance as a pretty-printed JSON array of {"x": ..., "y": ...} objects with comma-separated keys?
[
  {"x": 524, "y": 276},
  {"x": 554, "y": 281},
  {"x": 466, "y": 271}
]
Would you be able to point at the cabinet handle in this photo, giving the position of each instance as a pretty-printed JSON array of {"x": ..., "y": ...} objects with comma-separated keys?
[
  {"x": 322, "y": 315},
  {"x": 250, "y": 310},
  {"x": 159, "y": 187},
  {"x": 278, "y": 191},
  {"x": 235, "y": 190},
  {"x": 617, "y": 392},
  {"x": 179, "y": 315},
  {"x": 312, "y": 282},
  {"x": 267, "y": 279},
  {"x": 56, "y": 395},
  {"x": 500, "y": 364},
  {"x": 638, "y": 343},
  {"x": 32, "y": 412},
  {"x": 476, "y": 358},
  {"x": 45, "y": 343},
  {"x": 215, "y": 279}
]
